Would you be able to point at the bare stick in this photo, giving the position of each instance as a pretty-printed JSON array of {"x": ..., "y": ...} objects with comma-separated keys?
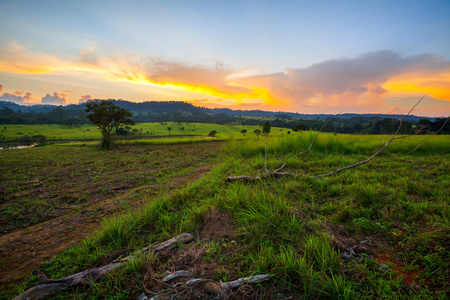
[
  {"x": 51, "y": 287},
  {"x": 252, "y": 279},
  {"x": 265, "y": 154},
  {"x": 306, "y": 151}
]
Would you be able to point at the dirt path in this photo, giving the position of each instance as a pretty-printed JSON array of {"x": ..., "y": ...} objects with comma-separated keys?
[{"x": 22, "y": 250}]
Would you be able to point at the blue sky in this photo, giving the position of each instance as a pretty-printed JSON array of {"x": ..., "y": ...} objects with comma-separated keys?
[{"x": 229, "y": 53}]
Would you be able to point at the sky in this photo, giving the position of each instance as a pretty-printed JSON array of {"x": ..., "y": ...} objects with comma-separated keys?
[{"x": 305, "y": 56}]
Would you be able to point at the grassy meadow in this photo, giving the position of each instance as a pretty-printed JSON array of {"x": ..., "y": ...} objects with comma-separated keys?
[
  {"x": 378, "y": 231},
  {"x": 55, "y": 132}
]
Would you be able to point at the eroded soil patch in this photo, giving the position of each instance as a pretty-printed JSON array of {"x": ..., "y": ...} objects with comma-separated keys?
[{"x": 67, "y": 191}]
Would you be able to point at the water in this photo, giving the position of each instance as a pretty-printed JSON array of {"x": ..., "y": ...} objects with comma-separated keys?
[{"x": 4, "y": 147}]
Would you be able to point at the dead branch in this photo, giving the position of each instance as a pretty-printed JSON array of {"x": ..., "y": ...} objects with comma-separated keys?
[
  {"x": 49, "y": 287},
  {"x": 303, "y": 152},
  {"x": 277, "y": 173},
  {"x": 218, "y": 288},
  {"x": 252, "y": 279},
  {"x": 181, "y": 273}
]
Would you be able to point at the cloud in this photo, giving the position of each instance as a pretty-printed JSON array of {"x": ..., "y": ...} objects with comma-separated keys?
[
  {"x": 15, "y": 58},
  {"x": 55, "y": 99},
  {"x": 84, "y": 99},
  {"x": 359, "y": 84},
  {"x": 350, "y": 83},
  {"x": 1, "y": 87},
  {"x": 394, "y": 110},
  {"x": 16, "y": 97}
]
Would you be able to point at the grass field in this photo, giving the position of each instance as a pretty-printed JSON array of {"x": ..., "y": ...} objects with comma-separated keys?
[
  {"x": 379, "y": 231},
  {"x": 90, "y": 132}
]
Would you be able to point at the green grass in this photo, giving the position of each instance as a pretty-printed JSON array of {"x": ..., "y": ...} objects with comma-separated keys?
[
  {"x": 294, "y": 228},
  {"x": 56, "y": 132}
]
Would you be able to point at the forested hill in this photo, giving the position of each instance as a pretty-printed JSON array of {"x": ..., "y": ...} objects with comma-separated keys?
[{"x": 152, "y": 107}]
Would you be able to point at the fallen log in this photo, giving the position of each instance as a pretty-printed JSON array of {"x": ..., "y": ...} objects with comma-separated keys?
[{"x": 49, "y": 287}]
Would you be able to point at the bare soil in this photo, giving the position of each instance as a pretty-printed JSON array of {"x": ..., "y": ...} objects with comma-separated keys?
[{"x": 23, "y": 249}]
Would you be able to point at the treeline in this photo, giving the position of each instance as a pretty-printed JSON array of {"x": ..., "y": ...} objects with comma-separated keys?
[
  {"x": 365, "y": 125},
  {"x": 182, "y": 112},
  {"x": 57, "y": 115}
]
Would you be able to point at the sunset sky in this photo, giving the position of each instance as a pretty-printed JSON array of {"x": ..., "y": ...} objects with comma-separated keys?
[{"x": 310, "y": 56}]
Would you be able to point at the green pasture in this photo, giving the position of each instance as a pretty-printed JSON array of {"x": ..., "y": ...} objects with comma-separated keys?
[{"x": 144, "y": 130}]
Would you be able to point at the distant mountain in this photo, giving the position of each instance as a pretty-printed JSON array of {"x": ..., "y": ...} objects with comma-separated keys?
[
  {"x": 171, "y": 106},
  {"x": 35, "y": 108}
]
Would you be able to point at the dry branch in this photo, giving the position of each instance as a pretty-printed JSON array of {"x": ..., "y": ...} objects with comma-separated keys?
[
  {"x": 49, "y": 287},
  {"x": 181, "y": 273},
  {"x": 212, "y": 287},
  {"x": 252, "y": 279},
  {"x": 277, "y": 173}
]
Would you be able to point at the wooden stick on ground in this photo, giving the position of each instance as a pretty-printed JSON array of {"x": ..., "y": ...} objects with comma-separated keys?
[{"x": 49, "y": 287}]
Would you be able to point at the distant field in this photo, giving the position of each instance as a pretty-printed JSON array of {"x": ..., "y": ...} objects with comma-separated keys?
[{"x": 145, "y": 130}]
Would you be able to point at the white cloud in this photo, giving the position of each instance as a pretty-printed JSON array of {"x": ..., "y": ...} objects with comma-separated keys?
[
  {"x": 55, "y": 99},
  {"x": 16, "y": 97}
]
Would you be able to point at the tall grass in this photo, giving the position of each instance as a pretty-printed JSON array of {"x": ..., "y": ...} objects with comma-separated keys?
[{"x": 338, "y": 144}]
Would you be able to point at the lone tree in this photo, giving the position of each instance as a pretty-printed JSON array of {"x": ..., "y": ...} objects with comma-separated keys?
[
  {"x": 169, "y": 128},
  {"x": 212, "y": 133},
  {"x": 107, "y": 116},
  {"x": 300, "y": 127},
  {"x": 257, "y": 132},
  {"x": 243, "y": 131},
  {"x": 266, "y": 128}
]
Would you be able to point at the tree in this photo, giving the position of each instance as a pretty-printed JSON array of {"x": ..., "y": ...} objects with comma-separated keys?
[
  {"x": 169, "y": 128},
  {"x": 299, "y": 127},
  {"x": 257, "y": 132},
  {"x": 107, "y": 116},
  {"x": 212, "y": 133},
  {"x": 266, "y": 128},
  {"x": 243, "y": 131}
]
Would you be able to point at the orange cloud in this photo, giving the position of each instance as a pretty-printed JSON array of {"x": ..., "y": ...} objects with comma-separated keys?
[
  {"x": 436, "y": 85},
  {"x": 394, "y": 110},
  {"x": 84, "y": 99},
  {"x": 14, "y": 58},
  {"x": 358, "y": 84}
]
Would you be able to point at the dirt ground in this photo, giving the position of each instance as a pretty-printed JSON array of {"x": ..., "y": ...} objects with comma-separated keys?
[{"x": 23, "y": 249}]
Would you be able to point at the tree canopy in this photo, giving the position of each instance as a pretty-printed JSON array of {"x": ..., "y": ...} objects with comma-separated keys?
[
  {"x": 107, "y": 116},
  {"x": 266, "y": 128}
]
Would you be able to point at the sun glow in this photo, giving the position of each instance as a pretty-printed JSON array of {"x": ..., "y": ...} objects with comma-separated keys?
[{"x": 437, "y": 87}]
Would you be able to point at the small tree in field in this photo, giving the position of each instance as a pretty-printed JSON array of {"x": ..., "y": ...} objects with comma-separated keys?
[
  {"x": 169, "y": 128},
  {"x": 266, "y": 128},
  {"x": 107, "y": 116},
  {"x": 257, "y": 132},
  {"x": 243, "y": 131},
  {"x": 212, "y": 133}
]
